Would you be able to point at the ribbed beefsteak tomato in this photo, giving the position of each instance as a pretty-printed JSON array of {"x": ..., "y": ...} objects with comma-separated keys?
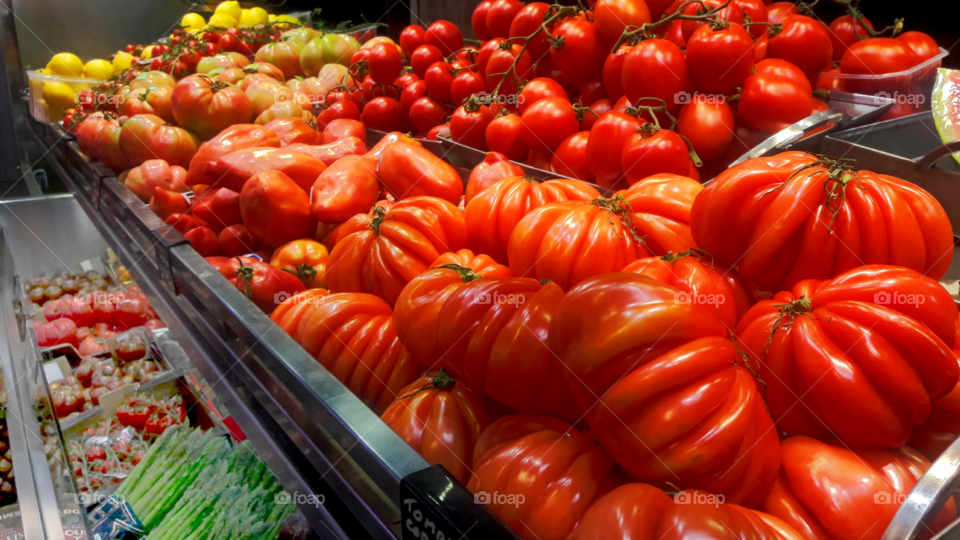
[
  {"x": 480, "y": 264},
  {"x": 668, "y": 394},
  {"x": 642, "y": 511},
  {"x": 863, "y": 354},
  {"x": 380, "y": 252},
  {"x": 492, "y": 331},
  {"x": 353, "y": 336},
  {"x": 797, "y": 216},
  {"x": 932, "y": 437},
  {"x": 442, "y": 419},
  {"x": 207, "y": 107},
  {"x": 828, "y": 492},
  {"x": 493, "y": 214},
  {"x": 544, "y": 471}
]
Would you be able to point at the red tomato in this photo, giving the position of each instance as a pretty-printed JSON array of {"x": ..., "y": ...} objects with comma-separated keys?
[
  {"x": 217, "y": 208},
  {"x": 643, "y": 511},
  {"x": 661, "y": 206},
  {"x": 548, "y": 122},
  {"x": 384, "y": 63},
  {"x": 708, "y": 125},
  {"x": 413, "y": 92},
  {"x": 756, "y": 10},
  {"x": 275, "y": 209},
  {"x": 718, "y": 61},
  {"x": 878, "y": 56},
  {"x": 778, "y": 11},
  {"x": 866, "y": 305},
  {"x": 582, "y": 51},
  {"x": 408, "y": 170},
  {"x": 435, "y": 131},
  {"x": 500, "y": 14},
  {"x": 233, "y": 170},
  {"x": 236, "y": 240},
  {"x": 538, "y": 89},
  {"x": 479, "y": 20},
  {"x": 341, "y": 108},
  {"x": 641, "y": 417},
  {"x": 713, "y": 285},
  {"x": 294, "y": 130},
  {"x": 505, "y": 135},
  {"x": 483, "y": 265},
  {"x": 596, "y": 110},
  {"x": 549, "y": 463},
  {"x": 613, "y": 72},
  {"x": 655, "y": 68},
  {"x": 843, "y": 34},
  {"x": 499, "y": 62},
  {"x": 384, "y": 114},
  {"x": 152, "y": 174},
  {"x": 439, "y": 77},
  {"x": 165, "y": 202},
  {"x": 182, "y": 222},
  {"x": 492, "y": 169},
  {"x": 423, "y": 57},
  {"x": 732, "y": 13},
  {"x": 804, "y": 42},
  {"x": 486, "y": 50},
  {"x": 144, "y": 137},
  {"x": 771, "y": 102},
  {"x": 527, "y": 21},
  {"x": 570, "y": 158},
  {"x": 58, "y": 332},
  {"x": 923, "y": 46},
  {"x": 469, "y": 125},
  {"x": 343, "y": 127},
  {"x": 464, "y": 85},
  {"x": 445, "y": 36},
  {"x": 612, "y": 17},
  {"x": 783, "y": 68},
  {"x": 410, "y": 38},
  {"x": 610, "y": 132},
  {"x": 932, "y": 437},
  {"x": 441, "y": 418},
  {"x": 265, "y": 285},
  {"x": 825, "y": 491},
  {"x": 648, "y": 153},
  {"x": 204, "y": 241},
  {"x": 154, "y": 100},
  {"x": 285, "y": 55},
  {"x": 347, "y": 188},
  {"x": 493, "y": 214},
  {"x": 426, "y": 113},
  {"x": 796, "y": 233}
]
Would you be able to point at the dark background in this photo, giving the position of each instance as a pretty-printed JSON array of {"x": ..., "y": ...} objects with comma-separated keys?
[{"x": 940, "y": 19}]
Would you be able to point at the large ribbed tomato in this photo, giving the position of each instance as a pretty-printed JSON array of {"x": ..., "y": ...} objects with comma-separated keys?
[
  {"x": 442, "y": 419},
  {"x": 382, "y": 251},
  {"x": 704, "y": 282},
  {"x": 668, "y": 394},
  {"x": 643, "y": 511},
  {"x": 288, "y": 314},
  {"x": 795, "y": 216},
  {"x": 863, "y": 354},
  {"x": 829, "y": 492},
  {"x": 207, "y": 107},
  {"x": 353, "y": 335},
  {"x": 493, "y": 214},
  {"x": 478, "y": 263},
  {"x": 492, "y": 331},
  {"x": 932, "y": 437},
  {"x": 544, "y": 473}
]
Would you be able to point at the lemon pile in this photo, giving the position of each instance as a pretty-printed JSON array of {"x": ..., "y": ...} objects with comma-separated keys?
[{"x": 229, "y": 14}]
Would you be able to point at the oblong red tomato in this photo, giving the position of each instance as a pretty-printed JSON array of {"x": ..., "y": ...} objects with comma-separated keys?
[
  {"x": 790, "y": 231},
  {"x": 493, "y": 214},
  {"x": 294, "y": 130},
  {"x": 441, "y": 419},
  {"x": 347, "y": 188},
  {"x": 233, "y": 170},
  {"x": 557, "y": 471},
  {"x": 718, "y": 61},
  {"x": 492, "y": 169},
  {"x": 380, "y": 252},
  {"x": 675, "y": 403},
  {"x": 275, "y": 209},
  {"x": 329, "y": 153},
  {"x": 233, "y": 138},
  {"x": 864, "y": 356},
  {"x": 827, "y": 491},
  {"x": 409, "y": 170},
  {"x": 344, "y": 127}
]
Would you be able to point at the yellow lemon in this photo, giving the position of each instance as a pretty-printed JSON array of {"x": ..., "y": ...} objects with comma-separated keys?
[
  {"x": 230, "y": 9},
  {"x": 193, "y": 20},
  {"x": 271, "y": 17},
  {"x": 58, "y": 95},
  {"x": 121, "y": 62},
  {"x": 98, "y": 69},
  {"x": 288, "y": 19},
  {"x": 220, "y": 20},
  {"x": 254, "y": 16},
  {"x": 66, "y": 65}
]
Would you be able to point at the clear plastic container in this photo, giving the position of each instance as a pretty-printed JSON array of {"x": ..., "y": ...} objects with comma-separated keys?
[
  {"x": 911, "y": 87},
  {"x": 50, "y": 95}
]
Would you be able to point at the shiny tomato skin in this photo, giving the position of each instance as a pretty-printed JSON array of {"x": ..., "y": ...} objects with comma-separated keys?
[
  {"x": 145, "y": 137},
  {"x": 493, "y": 213},
  {"x": 598, "y": 108},
  {"x": 784, "y": 69},
  {"x": 843, "y": 34},
  {"x": 731, "y": 14},
  {"x": 877, "y": 56},
  {"x": 548, "y": 122},
  {"x": 613, "y": 16},
  {"x": 718, "y": 61},
  {"x": 423, "y": 57},
  {"x": 439, "y": 77},
  {"x": 583, "y": 50},
  {"x": 500, "y": 15},
  {"x": 494, "y": 167},
  {"x": 342, "y": 108},
  {"x": 709, "y": 126},
  {"x": 828, "y": 491},
  {"x": 385, "y": 114},
  {"x": 646, "y": 154},
  {"x": 777, "y": 11},
  {"x": 384, "y": 63},
  {"x": 570, "y": 158},
  {"x": 425, "y": 113},
  {"x": 478, "y": 263},
  {"x": 445, "y": 36},
  {"x": 757, "y": 11},
  {"x": 643, "y": 400},
  {"x": 655, "y": 68},
  {"x": 805, "y": 42},
  {"x": 613, "y": 72},
  {"x": 410, "y": 38},
  {"x": 796, "y": 243},
  {"x": 538, "y": 89},
  {"x": 505, "y": 135},
  {"x": 499, "y": 62},
  {"x": 470, "y": 127},
  {"x": 407, "y": 169},
  {"x": 771, "y": 102},
  {"x": 412, "y": 92},
  {"x": 527, "y": 21},
  {"x": 923, "y": 46},
  {"x": 349, "y": 186},
  {"x": 607, "y": 137},
  {"x": 464, "y": 85},
  {"x": 487, "y": 50},
  {"x": 478, "y": 20}
]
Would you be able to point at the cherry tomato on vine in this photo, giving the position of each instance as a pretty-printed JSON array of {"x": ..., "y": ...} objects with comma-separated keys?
[
  {"x": 718, "y": 61},
  {"x": 439, "y": 79},
  {"x": 771, "y": 103},
  {"x": 425, "y": 113},
  {"x": 479, "y": 20},
  {"x": 708, "y": 125},
  {"x": 647, "y": 153},
  {"x": 505, "y": 136},
  {"x": 537, "y": 89},
  {"x": 464, "y": 85},
  {"x": 413, "y": 92},
  {"x": 411, "y": 38},
  {"x": 527, "y": 21},
  {"x": 501, "y": 61},
  {"x": 598, "y": 108},
  {"x": 500, "y": 14},
  {"x": 423, "y": 57},
  {"x": 757, "y": 11},
  {"x": 384, "y": 63},
  {"x": 570, "y": 158},
  {"x": 548, "y": 122},
  {"x": 613, "y": 16},
  {"x": 877, "y": 56},
  {"x": 732, "y": 13},
  {"x": 469, "y": 127},
  {"x": 228, "y": 42},
  {"x": 655, "y": 68},
  {"x": 445, "y": 36},
  {"x": 486, "y": 50},
  {"x": 784, "y": 69},
  {"x": 778, "y": 11},
  {"x": 385, "y": 114},
  {"x": 923, "y": 46},
  {"x": 581, "y": 52},
  {"x": 804, "y": 42},
  {"x": 843, "y": 34},
  {"x": 613, "y": 72}
]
